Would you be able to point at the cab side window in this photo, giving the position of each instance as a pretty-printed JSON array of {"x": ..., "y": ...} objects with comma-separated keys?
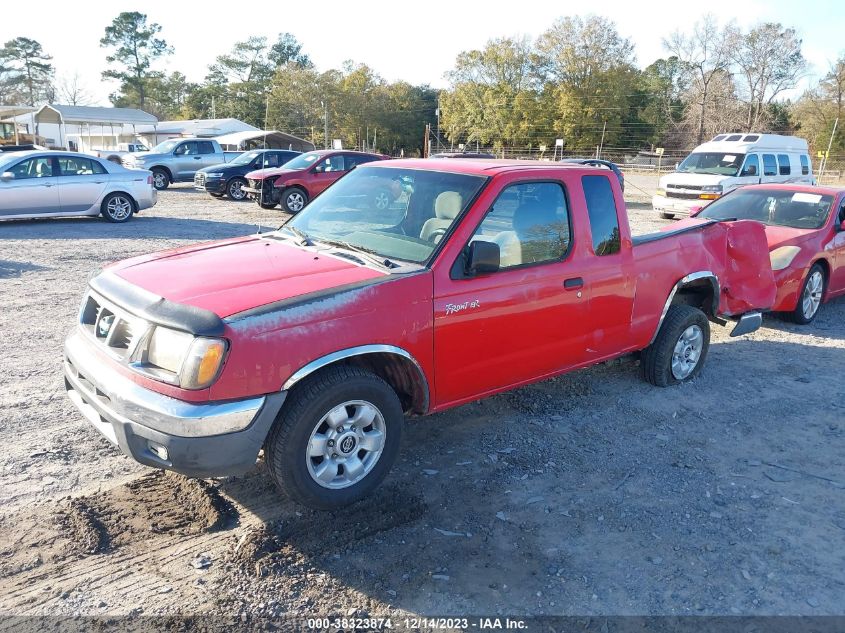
[
  {"x": 529, "y": 222},
  {"x": 784, "y": 168},
  {"x": 78, "y": 166},
  {"x": 601, "y": 207},
  {"x": 186, "y": 149},
  {"x": 770, "y": 165},
  {"x": 330, "y": 164},
  {"x": 805, "y": 164},
  {"x": 205, "y": 147},
  {"x": 752, "y": 166}
]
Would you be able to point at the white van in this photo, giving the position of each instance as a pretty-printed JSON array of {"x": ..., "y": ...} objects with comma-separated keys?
[{"x": 730, "y": 161}]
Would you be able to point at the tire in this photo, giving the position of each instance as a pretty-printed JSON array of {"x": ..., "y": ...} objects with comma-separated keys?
[
  {"x": 265, "y": 205},
  {"x": 118, "y": 208},
  {"x": 294, "y": 200},
  {"x": 219, "y": 196},
  {"x": 667, "y": 216},
  {"x": 161, "y": 179},
  {"x": 811, "y": 297},
  {"x": 234, "y": 189},
  {"x": 304, "y": 422},
  {"x": 685, "y": 331}
]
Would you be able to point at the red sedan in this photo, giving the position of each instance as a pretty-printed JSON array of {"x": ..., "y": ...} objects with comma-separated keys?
[{"x": 805, "y": 227}]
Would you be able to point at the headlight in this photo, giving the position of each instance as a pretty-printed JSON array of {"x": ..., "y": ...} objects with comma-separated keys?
[
  {"x": 783, "y": 256},
  {"x": 179, "y": 358},
  {"x": 661, "y": 191},
  {"x": 710, "y": 192},
  {"x": 214, "y": 175}
]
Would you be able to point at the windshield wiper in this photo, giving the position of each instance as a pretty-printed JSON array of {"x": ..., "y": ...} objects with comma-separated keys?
[
  {"x": 304, "y": 239},
  {"x": 369, "y": 255}
]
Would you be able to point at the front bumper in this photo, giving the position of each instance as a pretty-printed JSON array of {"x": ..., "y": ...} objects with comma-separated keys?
[
  {"x": 211, "y": 185},
  {"x": 211, "y": 439},
  {"x": 677, "y": 206}
]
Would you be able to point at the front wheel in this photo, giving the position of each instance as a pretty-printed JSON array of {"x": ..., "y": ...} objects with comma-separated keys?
[
  {"x": 235, "y": 189},
  {"x": 117, "y": 208},
  {"x": 810, "y": 299},
  {"x": 667, "y": 216},
  {"x": 160, "y": 179},
  {"x": 294, "y": 200},
  {"x": 680, "y": 348},
  {"x": 336, "y": 438}
]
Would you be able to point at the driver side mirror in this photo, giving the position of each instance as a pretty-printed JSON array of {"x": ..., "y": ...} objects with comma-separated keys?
[
  {"x": 484, "y": 257},
  {"x": 6, "y": 176}
]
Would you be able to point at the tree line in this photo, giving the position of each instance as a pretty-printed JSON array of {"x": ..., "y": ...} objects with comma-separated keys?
[{"x": 578, "y": 81}]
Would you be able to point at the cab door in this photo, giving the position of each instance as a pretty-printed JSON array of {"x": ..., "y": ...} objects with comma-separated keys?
[
  {"x": 524, "y": 321},
  {"x": 186, "y": 160},
  {"x": 837, "y": 275},
  {"x": 325, "y": 173}
]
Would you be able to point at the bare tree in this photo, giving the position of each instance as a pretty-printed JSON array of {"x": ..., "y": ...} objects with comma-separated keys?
[
  {"x": 705, "y": 55},
  {"x": 768, "y": 59},
  {"x": 71, "y": 90}
]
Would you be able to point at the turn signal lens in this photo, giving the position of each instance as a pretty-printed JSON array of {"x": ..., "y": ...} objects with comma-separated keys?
[
  {"x": 708, "y": 196},
  {"x": 202, "y": 363}
]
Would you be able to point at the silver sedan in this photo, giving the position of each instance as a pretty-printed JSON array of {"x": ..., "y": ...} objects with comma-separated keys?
[{"x": 39, "y": 184}]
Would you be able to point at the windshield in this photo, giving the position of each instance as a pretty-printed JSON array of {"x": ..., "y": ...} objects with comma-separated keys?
[
  {"x": 165, "y": 147},
  {"x": 245, "y": 158},
  {"x": 716, "y": 163},
  {"x": 774, "y": 207},
  {"x": 387, "y": 211},
  {"x": 303, "y": 162}
]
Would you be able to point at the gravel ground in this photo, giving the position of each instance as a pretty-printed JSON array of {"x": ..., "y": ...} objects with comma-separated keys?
[{"x": 593, "y": 493}]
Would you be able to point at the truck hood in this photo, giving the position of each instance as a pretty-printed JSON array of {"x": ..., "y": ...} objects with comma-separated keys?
[
  {"x": 231, "y": 276},
  {"x": 696, "y": 180},
  {"x": 270, "y": 172},
  {"x": 146, "y": 156}
]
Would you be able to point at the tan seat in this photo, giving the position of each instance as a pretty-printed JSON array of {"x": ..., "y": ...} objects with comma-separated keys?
[
  {"x": 447, "y": 206},
  {"x": 535, "y": 231}
]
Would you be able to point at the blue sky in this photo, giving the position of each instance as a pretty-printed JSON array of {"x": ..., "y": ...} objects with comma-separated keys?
[{"x": 414, "y": 41}]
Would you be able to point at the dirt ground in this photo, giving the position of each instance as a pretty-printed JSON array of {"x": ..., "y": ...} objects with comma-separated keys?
[{"x": 593, "y": 493}]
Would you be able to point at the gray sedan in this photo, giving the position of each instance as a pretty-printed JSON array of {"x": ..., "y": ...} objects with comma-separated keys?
[{"x": 40, "y": 184}]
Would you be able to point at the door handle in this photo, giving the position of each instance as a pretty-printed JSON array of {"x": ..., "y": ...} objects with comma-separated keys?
[
  {"x": 47, "y": 184},
  {"x": 574, "y": 283},
  {"x": 197, "y": 157}
]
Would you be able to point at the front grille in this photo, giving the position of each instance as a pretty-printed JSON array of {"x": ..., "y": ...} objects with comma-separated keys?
[
  {"x": 199, "y": 179},
  {"x": 681, "y": 195},
  {"x": 690, "y": 187},
  {"x": 254, "y": 184},
  {"x": 116, "y": 330}
]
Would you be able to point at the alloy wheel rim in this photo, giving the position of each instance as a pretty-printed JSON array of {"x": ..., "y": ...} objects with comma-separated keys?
[
  {"x": 159, "y": 180},
  {"x": 236, "y": 190},
  {"x": 687, "y": 352},
  {"x": 119, "y": 208},
  {"x": 346, "y": 444},
  {"x": 812, "y": 297},
  {"x": 295, "y": 202}
]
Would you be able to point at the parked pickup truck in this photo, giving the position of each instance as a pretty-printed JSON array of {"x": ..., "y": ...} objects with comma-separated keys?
[
  {"x": 178, "y": 159},
  {"x": 305, "y": 177},
  {"x": 116, "y": 155},
  {"x": 314, "y": 341},
  {"x": 229, "y": 179}
]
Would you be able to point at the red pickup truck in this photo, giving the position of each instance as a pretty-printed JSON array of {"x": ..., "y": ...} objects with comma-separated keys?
[
  {"x": 314, "y": 341},
  {"x": 305, "y": 177}
]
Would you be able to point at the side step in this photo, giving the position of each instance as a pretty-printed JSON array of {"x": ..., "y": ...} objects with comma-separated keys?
[{"x": 747, "y": 323}]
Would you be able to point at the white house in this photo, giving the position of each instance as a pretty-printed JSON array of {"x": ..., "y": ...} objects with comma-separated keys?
[{"x": 207, "y": 128}]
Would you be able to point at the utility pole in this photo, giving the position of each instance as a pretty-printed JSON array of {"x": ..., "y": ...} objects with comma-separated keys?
[
  {"x": 325, "y": 123},
  {"x": 437, "y": 112},
  {"x": 601, "y": 145}
]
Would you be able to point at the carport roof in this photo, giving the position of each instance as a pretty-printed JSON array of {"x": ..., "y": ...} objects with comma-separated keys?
[
  {"x": 280, "y": 138},
  {"x": 9, "y": 111},
  {"x": 92, "y": 114}
]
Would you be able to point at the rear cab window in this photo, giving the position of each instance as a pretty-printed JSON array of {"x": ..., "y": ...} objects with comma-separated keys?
[{"x": 601, "y": 209}]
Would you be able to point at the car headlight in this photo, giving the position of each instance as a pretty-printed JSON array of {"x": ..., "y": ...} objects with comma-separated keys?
[
  {"x": 214, "y": 175},
  {"x": 661, "y": 191},
  {"x": 710, "y": 192},
  {"x": 179, "y": 358},
  {"x": 783, "y": 256}
]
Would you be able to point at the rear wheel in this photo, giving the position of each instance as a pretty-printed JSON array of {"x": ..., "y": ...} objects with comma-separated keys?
[
  {"x": 267, "y": 205},
  {"x": 336, "y": 438},
  {"x": 160, "y": 179},
  {"x": 680, "y": 348},
  {"x": 810, "y": 299},
  {"x": 117, "y": 208},
  {"x": 294, "y": 200},
  {"x": 667, "y": 216},
  {"x": 234, "y": 189}
]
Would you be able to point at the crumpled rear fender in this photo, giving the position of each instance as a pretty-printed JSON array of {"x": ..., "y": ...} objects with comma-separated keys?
[{"x": 746, "y": 279}]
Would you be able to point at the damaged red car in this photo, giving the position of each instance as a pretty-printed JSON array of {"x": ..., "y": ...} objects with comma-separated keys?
[
  {"x": 302, "y": 179},
  {"x": 805, "y": 230},
  {"x": 313, "y": 342}
]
